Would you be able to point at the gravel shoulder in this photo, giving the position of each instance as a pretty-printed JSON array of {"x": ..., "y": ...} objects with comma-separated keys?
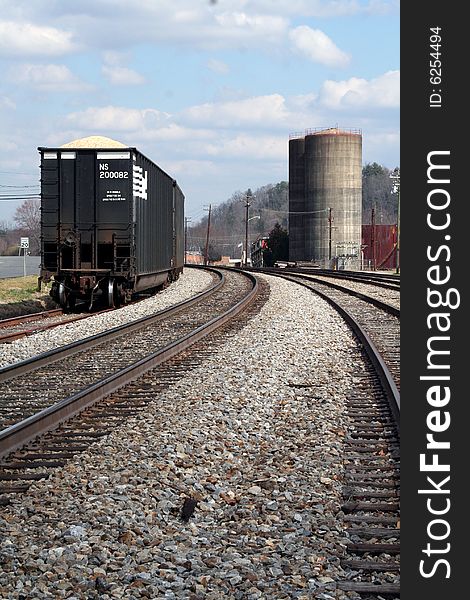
[{"x": 255, "y": 434}]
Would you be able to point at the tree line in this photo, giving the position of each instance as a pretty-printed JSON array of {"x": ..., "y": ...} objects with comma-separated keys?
[
  {"x": 27, "y": 220},
  {"x": 269, "y": 208}
]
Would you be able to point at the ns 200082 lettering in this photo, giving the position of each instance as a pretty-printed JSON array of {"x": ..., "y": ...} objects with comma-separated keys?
[{"x": 105, "y": 173}]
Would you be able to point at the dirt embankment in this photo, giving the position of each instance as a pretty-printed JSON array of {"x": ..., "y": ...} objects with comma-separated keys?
[
  {"x": 26, "y": 307},
  {"x": 19, "y": 296}
]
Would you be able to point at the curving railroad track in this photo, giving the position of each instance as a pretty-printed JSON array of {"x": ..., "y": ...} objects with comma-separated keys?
[
  {"x": 372, "y": 449},
  {"x": 15, "y": 328},
  {"x": 384, "y": 280},
  {"x": 39, "y": 393},
  {"x": 370, "y": 506}
]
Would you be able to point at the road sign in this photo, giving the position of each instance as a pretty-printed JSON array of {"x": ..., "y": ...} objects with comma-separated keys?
[{"x": 24, "y": 242}]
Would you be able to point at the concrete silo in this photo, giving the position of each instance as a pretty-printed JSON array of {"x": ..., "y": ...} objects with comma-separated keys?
[{"x": 326, "y": 215}]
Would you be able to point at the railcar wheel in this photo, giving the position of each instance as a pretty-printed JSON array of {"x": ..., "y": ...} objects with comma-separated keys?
[
  {"x": 62, "y": 294},
  {"x": 116, "y": 294},
  {"x": 111, "y": 293}
]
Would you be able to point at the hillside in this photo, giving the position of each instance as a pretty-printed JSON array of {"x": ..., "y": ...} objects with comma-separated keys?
[{"x": 271, "y": 204}]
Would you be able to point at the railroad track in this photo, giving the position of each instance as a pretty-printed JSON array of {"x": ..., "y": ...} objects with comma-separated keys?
[
  {"x": 16, "y": 328},
  {"x": 391, "y": 282},
  {"x": 380, "y": 320},
  {"x": 53, "y": 449},
  {"x": 366, "y": 289},
  {"x": 371, "y": 459},
  {"x": 372, "y": 450},
  {"x": 37, "y": 394}
]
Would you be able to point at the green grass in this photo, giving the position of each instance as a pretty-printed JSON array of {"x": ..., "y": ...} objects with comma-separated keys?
[{"x": 17, "y": 289}]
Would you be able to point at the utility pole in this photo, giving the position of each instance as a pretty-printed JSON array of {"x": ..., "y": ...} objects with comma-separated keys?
[
  {"x": 395, "y": 176},
  {"x": 186, "y": 221},
  {"x": 248, "y": 197},
  {"x": 372, "y": 239},
  {"x": 330, "y": 224},
  {"x": 206, "y": 253}
]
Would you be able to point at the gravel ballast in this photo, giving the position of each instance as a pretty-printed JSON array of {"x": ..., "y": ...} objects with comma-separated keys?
[
  {"x": 254, "y": 434},
  {"x": 190, "y": 283}
]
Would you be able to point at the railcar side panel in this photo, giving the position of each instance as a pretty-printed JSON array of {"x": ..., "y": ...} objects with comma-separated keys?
[
  {"x": 109, "y": 217},
  {"x": 178, "y": 226}
]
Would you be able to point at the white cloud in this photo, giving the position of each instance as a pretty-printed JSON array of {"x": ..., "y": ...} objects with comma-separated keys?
[
  {"x": 117, "y": 73},
  {"x": 186, "y": 16},
  {"x": 176, "y": 133},
  {"x": 122, "y": 76},
  {"x": 262, "y": 111},
  {"x": 120, "y": 24},
  {"x": 49, "y": 78},
  {"x": 383, "y": 144},
  {"x": 218, "y": 66},
  {"x": 387, "y": 138},
  {"x": 250, "y": 147},
  {"x": 381, "y": 92},
  {"x": 117, "y": 118},
  {"x": 317, "y": 47},
  {"x": 250, "y": 24},
  {"x": 6, "y": 102},
  {"x": 23, "y": 39},
  {"x": 198, "y": 168},
  {"x": 316, "y": 8}
]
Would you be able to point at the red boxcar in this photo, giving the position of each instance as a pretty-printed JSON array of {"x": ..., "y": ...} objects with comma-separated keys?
[{"x": 379, "y": 246}]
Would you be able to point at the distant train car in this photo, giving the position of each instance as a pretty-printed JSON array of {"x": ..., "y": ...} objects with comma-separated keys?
[
  {"x": 258, "y": 250},
  {"x": 112, "y": 222}
]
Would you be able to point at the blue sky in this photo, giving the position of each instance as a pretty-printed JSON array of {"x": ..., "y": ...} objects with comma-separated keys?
[{"x": 209, "y": 90}]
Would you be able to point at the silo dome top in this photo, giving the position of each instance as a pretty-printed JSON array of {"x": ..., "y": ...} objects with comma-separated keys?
[{"x": 94, "y": 141}]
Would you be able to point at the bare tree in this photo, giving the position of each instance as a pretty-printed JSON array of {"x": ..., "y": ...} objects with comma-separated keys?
[
  {"x": 28, "y": 218},
  {"x": 4, "y": 231}
]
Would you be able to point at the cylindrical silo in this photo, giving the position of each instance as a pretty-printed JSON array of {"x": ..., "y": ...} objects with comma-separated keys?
[
  {"x": 333, "y": 197},
  {"x": 325, "y": 197},
  {"x": 296, "y": 198}
]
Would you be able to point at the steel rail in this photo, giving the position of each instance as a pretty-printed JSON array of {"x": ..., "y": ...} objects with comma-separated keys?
[
  {"x": 386, "y": 379},
  {"x": 378, "y": 279},
  {"x": 372, "y": 275},
  {"x": 25, "y": 431},
  {"x": 16, "y": 335},
  {"x": 392, "y": 310},
  {"x": 385, "y": 282},
  {"x": 11, "y": 321},
  {"x": 352, "y": 276},
  {"x": 46, "y": 358}
]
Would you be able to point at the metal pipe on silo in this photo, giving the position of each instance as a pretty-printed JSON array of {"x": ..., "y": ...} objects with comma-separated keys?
[{"x": 296, "y": 198}]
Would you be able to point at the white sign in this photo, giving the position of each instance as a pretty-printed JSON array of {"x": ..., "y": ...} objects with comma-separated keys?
[{"x": 24, "y": 243}]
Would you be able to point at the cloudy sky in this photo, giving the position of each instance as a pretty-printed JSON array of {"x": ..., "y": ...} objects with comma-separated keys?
[{"x": 208, "y": 89}]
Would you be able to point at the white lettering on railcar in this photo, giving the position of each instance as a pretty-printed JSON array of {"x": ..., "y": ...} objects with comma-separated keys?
[
  {"x": 140, "y": 182},
  {"x": 114, "y": 175}
]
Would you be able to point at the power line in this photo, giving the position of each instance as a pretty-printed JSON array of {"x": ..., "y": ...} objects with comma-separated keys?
[
  {"x": 21, "y": 187},
  {"x": 14, "y": 173},
  {"x": 10, "y": 198}
]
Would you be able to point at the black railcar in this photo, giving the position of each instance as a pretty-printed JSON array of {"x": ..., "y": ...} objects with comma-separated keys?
[{"x": 111, "y": 224}]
